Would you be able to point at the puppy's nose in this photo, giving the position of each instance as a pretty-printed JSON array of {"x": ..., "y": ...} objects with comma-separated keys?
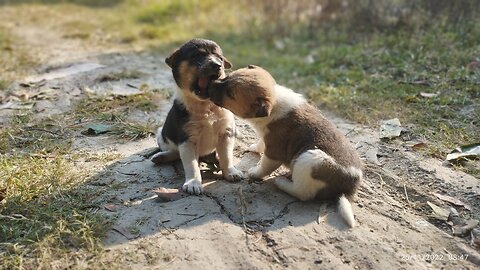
[{"x": 215, "y": 63}]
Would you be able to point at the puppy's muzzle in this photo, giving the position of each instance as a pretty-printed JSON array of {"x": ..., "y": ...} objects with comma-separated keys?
[
  {"x": 210, "y": 71},
  {"x": 213, "y": 66}
]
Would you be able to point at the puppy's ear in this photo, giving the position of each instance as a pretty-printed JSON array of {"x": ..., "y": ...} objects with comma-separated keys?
[
  {"x": 252, "y": 66},
  {"x": 171, "y": 59},
  {"x": 263, "y": 110},
  {"x": 226, "y": 63}
]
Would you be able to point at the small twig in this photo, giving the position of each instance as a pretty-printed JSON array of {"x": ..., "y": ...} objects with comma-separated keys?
[
  {"x": 406, "y": 194},
  {"x": 130, "y": 174},
  {"x": 472, "y": 238},
  {"x": 376, "y": 172},
  {"x": 259, "y": 238},
  {"x": 350, "y": 131},
  {"x": 187, "y": 214}
]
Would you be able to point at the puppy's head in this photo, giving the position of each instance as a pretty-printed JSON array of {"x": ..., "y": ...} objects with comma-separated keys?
[
  {"x": 196, "y": 64},
  {"x": 247, "y": 92}
]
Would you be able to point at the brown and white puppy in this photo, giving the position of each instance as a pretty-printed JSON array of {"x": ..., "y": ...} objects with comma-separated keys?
[
  {"x": 194, "y": 126},
  {"x": 323, "y": 163}
]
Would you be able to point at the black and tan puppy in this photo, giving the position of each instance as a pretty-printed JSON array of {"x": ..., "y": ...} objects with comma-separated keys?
[
  {"x": 295, "y": 134},
  {"x": 194, "y": 126}
]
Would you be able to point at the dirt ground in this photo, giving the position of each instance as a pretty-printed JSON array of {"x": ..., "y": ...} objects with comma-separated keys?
[{"x": 252, "y": 225}]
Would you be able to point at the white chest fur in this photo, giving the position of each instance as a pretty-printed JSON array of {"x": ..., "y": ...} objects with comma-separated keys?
[{"x": 206, "y": 124}]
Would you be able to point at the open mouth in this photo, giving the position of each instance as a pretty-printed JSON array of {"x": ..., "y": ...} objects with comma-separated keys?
[{"x": 203, "y": 82}]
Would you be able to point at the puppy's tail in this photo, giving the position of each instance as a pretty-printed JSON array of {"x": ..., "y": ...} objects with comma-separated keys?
[{"x": 345, "y": 210}]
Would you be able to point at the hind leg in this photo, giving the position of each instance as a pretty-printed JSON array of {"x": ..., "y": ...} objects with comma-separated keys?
[
  {"x": 300, "y": 189},
  {"x": 165, "y": 156},
  {"x": 303, "y": 186},
  {"x": 169, "y": 151},
  {"x": 264, "y": 167}
]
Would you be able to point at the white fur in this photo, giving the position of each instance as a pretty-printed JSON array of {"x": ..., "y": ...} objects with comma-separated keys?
[
  {"x": 286, "y": 100},
  {"x": 303, "y": 186},
  {"x": 346, "y": 212},
  {"x": 258, "y": 147},
  {"x": 211, "y": 128},
  {"x": 193, "y": 178}
]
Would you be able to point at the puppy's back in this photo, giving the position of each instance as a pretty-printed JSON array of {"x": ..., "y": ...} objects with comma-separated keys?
[{"x": 305, "y": 128}]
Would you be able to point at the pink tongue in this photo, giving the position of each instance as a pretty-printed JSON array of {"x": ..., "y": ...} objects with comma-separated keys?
[{"x": 203, "y": 83}]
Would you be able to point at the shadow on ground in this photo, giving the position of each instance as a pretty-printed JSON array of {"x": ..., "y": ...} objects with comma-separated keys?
[{"x": 251, "y": 206}]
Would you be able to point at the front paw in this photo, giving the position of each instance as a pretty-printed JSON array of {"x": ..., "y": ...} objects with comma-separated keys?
[
  {"x": 233, "y": 175},
  {"x": 193, "y": 186},
  {"x": 255, "y": 173}
]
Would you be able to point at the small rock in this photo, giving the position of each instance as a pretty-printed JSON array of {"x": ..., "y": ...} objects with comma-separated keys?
[{"x": 390, "y": 129}]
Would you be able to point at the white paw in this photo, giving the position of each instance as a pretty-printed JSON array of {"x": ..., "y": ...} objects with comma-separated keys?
[
  {"x": 193, "y": 186},
  {"x": 233, "y": 175},
  {"x": 255, "y": 173}
]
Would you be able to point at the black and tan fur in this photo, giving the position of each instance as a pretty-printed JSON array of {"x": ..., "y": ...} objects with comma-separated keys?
[
  {"x": 323, "y": 163},
  {"x": 194, "y": 126}
]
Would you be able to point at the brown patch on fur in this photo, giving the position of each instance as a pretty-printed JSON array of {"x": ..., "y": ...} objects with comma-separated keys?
[
  {"x": 305, "y": 128},
  {"x": 187, "y": 73},
  {"x": 338, "y": 179},
  {"x": 247, "y": 92}
]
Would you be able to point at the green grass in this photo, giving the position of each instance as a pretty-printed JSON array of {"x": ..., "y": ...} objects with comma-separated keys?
[{"x": 366, "y": 75}]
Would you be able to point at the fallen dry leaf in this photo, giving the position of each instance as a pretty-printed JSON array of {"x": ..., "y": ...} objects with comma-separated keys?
[
  {"x": 465, "y": 151},
  {"x": 439, "y": 212},
  {"x": 419, "y": 145},
  {"x": 110, "y": 207},
  {"x": 169, "y": 194},
  {"x": 452, "y": 200}
]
